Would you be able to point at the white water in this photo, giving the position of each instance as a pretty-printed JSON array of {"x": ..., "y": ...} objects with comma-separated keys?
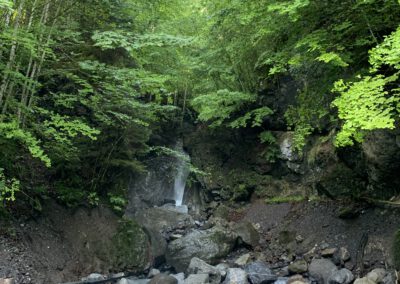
[{"x": 181, "y": 174}]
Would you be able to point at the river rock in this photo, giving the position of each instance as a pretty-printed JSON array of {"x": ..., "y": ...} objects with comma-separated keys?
[
  {"x": 377, "y": 275},
  {"x": 298, "y": 267},
  {"x": 209, "y": 245},
  {"x": 322, "y": 269},
  {"x": 281, "y": 280},
  {"x": 243, "y": 260},
  {"x": 258, "y": 272},
  {"x": 236, "y": 276},
  {"x": 297, "y": 279},
  {"x": 197, "y": 279},
  {"x": 153, "y": 272},
  {"x": 344, "y": 254},
  {"x": 343, "y": 276},
  {"x": 328, "y": 252},
  {"x": 180, "y": 277},
  {"x": 223, "y": 269},
  {"x": 163, "y": 279},
  {"x": 364, "y": 280},
  {"x": 198, "y": 266},
  {"x": 247, "y": 233}
]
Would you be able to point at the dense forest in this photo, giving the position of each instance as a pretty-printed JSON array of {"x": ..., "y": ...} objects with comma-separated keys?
[
  {"x": 92, "y": 90},
  {"x": 85, "y": 85}
]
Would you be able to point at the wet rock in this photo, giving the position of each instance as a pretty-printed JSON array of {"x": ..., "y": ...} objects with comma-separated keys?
[
  {"x": 198, "y": 266},
  {"x": 236, "y": 276},
  {"x": 243, "y": 260},
  {"x": 343, "y": 276},
  {"x": 298, "y": 267},
  {"x": 377, "y": 275},
  {"x": 258, "y": 272},
  {"x": 163, "y": 279},
  {"x": 247, "y": 233},
  {"x": 322, "y": 269},
  {"x": 197, "y": 279},
  {"x": 153, "y": 272},
  {"x": 209, "y": 245}
]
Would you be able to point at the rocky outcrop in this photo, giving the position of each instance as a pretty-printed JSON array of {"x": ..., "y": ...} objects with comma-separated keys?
[
  {"x": 209, "y": 245},
  {"x": 157, "y": 223}
]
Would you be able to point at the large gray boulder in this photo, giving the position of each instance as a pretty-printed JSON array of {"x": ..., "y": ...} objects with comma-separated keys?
[
  {"x": 210, "y": 245},
  {"x": 322, "y": 269},
  {"x": 155, "y": 222}
]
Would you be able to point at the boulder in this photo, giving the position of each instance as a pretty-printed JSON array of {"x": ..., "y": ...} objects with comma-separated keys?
[
  {"x": 364, "y": 280},
  {"x": 236, "y": 276},
  {"x": 258, "y": 272},
  {"x": 343, "y": 276},
  {"x": 197, "y": 279},
  {"x": 163, "y": 279},
  {"x": 198, "y": 266},
  {"x": 7, "y": 281},
  {"x": 344, "y": 254},
  {"x": 247, "y": 233},
  {"x": 223, "y": 269},
  {"x": 210, "y": 245},
  {"x": 94, "y": 277},
  {"x": 322, "y": 269},
  {"x": 377, "y": 275},
  {"x": 243, "y": 260},
  {"x": 298, "y": 267},
  {"x": 180, "y": 277},
  {"x": 297, "y": 279},
  {"x": 155, "y": 222},
  {"x": 153, "y": 272}
]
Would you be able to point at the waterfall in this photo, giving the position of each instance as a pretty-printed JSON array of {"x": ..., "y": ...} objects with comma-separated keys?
[{"x": 182, "y": 172}]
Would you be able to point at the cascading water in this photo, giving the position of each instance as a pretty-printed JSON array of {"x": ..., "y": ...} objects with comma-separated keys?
[{"x": 182, "y": 172}]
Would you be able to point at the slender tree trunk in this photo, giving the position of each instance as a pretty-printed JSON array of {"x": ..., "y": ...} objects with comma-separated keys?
[{"x": 11, "y": 60}]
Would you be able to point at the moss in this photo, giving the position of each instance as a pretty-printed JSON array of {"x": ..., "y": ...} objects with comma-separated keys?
[
  {"x": 130, "y": 246},
  {"x": 285, "y": 199},
  {"x": 396, "y": 250}
]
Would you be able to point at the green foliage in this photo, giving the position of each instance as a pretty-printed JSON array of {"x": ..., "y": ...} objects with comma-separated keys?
[
  {"x": 8, "y": 187},
  {"x": 373, "y": 102},
  {"x": 220, "y": 106}
]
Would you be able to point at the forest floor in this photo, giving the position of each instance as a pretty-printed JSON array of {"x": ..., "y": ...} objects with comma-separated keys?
[{"x": 55, "y": 248}]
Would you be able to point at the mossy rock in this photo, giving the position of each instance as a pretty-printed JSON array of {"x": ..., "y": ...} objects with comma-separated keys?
[
  {"x": 396, "y": 250},
  {"x": 130, "y": 247}
]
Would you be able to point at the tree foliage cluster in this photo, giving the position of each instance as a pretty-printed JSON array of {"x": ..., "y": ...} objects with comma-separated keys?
[{"x": 78, "y": 97}]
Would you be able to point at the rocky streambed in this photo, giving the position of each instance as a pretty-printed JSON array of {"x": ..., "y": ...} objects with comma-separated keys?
[{"x": 283, "y": 243}]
